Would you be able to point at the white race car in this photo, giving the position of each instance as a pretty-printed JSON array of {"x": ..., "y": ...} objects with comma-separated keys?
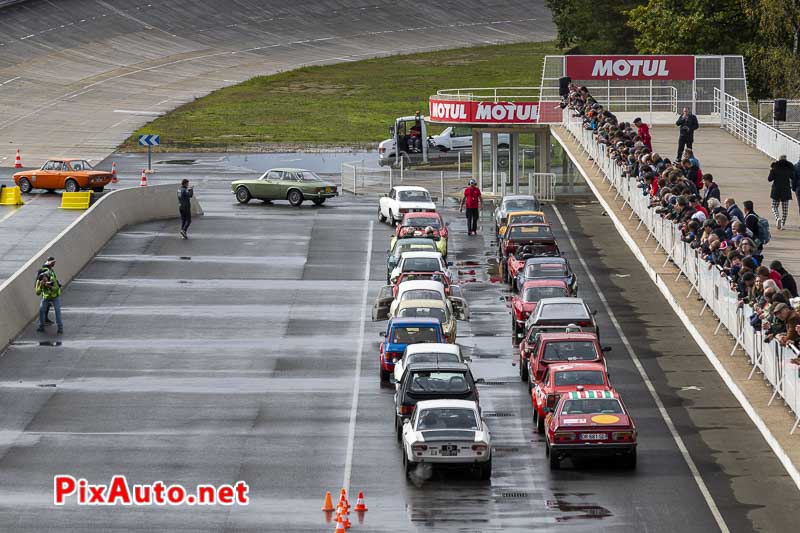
[
  {"x": 402, "y": 200},
  {"x": 427, "y": 353},
  {"x": 450, "y": 433},
  {"x": 425, "y": 261}
]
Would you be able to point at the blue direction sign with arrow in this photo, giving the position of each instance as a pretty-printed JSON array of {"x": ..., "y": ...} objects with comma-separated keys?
[{"x": 149, "y": 140}]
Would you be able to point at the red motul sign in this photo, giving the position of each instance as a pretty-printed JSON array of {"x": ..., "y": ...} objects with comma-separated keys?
[
  {"x": 630, "y": 67},
  {"x": 483, "y": 112}
]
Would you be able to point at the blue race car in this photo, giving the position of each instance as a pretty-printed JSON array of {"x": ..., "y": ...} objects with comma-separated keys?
[{"x": 404, "y": 331}]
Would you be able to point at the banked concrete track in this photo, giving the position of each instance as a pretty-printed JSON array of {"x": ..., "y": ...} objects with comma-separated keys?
[{"x": 77, "y": 76}]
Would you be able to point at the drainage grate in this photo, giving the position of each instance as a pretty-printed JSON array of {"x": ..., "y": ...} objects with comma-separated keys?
[
  {"x": 514, "y": 495},
  {"x": 498, "y": 414},
  {"x": 505, "y": 449},
  {"x": 499, "y": 382}
]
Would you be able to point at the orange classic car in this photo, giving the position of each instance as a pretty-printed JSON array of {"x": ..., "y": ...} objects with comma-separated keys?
[{"x": 72, "y": 175}]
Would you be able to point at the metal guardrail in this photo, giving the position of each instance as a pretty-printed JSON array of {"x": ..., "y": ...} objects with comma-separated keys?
[
  {"x": 752, "y": 131},
  {"x": 770, "y": 358}
]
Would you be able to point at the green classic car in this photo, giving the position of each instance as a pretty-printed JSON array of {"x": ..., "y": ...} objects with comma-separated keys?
[{"x": 293, "y": 184}]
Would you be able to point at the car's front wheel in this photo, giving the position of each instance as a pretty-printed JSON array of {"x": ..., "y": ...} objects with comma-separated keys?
[
  {"x": 295, "y": 197},
  {"x": 25, "y": 185},
  {"x": 243, "y": 195},
  {"x": 381, "y": 218},
  {"x": 71, "y": 186}
]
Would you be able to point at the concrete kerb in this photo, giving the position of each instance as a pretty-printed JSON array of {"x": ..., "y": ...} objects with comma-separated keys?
[
  {"x": 773, "y": 443},
  {"x": 74, "y": 247}
]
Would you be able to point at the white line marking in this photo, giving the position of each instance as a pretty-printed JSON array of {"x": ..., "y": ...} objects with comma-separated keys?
[
  {"x": 776, "y": 447},
  {"x": 351, "y": 432},
  {"x": 134, "y": 112},
  {"x": 698, "y": 479},
  {"x": 9, "y": 81}
]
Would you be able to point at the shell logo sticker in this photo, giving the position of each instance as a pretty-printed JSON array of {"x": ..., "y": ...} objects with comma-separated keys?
[{"x": 605, "y": 419}]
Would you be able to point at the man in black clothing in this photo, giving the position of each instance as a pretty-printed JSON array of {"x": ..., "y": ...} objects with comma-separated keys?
[
  {"x": 787, "y": 280},
  {"x": 185, "y": 194},
  {"x": 686, "y": 123}
]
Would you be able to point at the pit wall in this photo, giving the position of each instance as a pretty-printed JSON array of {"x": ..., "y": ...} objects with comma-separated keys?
[{"x": 74, "y": 247}]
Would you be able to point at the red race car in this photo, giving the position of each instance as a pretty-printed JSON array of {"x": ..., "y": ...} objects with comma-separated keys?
[
  {"x": 538, "y": 350},
  {"x": 516, "y": 261},
  {"x": 590, "y": 424},
  {"x": 562, "y": 378},
  {"x": 518, "y": 235},
  {"x": 524, "y": 303},
  {"x": 414, "y": 224}
]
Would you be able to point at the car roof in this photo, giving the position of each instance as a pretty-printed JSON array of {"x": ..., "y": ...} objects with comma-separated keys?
[
  {"x": 564, "y": 336},
  {"x": 543, "y": 260},
  {"x": 430, "y": 347},
  {"x": 515, "y": 214},
  {"x": 529, "y": 224},
  {"x": 399, "y": 188},
  {"x": 437, "y": 366},
  {"x": 443, "y": 404},
  {"x": 421, "y": 303},
  {"x": 519, "y": 197},
  {"x": 413, "y": 284},
  {"x": 577, "y": 365},
  {"x": 546, "y": 282},
  {"x": 413, "y": 321},
  {"x": 67, "y": 159},
  {"x": 561, "y": 300},
  {"x": 422, "y": 254},
  {"x": 421, "y": 214},
  {"x": 289, "y": 169},
  {"x": 591, "y": 395},
  {"x": 416, "y": 240}
]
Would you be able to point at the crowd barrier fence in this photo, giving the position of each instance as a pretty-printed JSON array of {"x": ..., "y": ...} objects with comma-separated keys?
[{"x": 771, "y": 359}]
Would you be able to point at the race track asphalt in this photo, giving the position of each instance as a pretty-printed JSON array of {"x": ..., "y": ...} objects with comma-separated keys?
[
  {"x": 78, "y": 76},
  {"x": 235, "y": 355}
]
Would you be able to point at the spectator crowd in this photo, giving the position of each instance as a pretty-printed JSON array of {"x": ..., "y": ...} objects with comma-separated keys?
[{"x": 723, "y": 233}]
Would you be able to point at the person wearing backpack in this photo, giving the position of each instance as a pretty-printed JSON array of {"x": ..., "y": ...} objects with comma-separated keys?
[
  {"x": 47, "y": 265},
  {"x": 758, "y": 225},
  {"x": 48, "y": 287}
]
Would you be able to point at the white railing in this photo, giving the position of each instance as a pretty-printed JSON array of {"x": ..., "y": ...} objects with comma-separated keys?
[
  {"x": 770, "y": 358},
  {"x": 750, "y": 130}
]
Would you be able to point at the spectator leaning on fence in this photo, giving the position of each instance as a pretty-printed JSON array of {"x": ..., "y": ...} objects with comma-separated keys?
[{"x": 782, "y": 176}]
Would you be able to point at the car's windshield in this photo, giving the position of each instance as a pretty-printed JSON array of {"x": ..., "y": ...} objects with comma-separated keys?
[
  {"x": 592, "y": 407},
  {"x": 414, "y": 196},
  {"x": 530, "y": 232},
  {"x": 546, "y": 270},
  {"x": 421, "y": 264},
  {"x": 566, "y": 311},
  {"x": 422, "y": 222},
  {"x": 427, "y": 246},
  {"x": 534, "y": 294},
  {"x": 521, "y": 204},
  {"x": 439, "y": 381},
  {"x": 421, "y": 294},
  {"x": 432, "y": 357},
  {"x": 579, "y": 377},
  {"x": 413, "y": 335},
  {"x": 447, "y": 418},
  {"x": 570, "y": 351},
  {"x": 307, "y": 175},
  {"x": 424, "y": 312},
  {"x": 528, "y": 219}
]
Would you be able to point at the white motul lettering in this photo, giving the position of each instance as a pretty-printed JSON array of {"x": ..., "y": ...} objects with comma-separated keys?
[
  {"x": 484, "y": 112},
  {"x": 650, "y": 68},
  {"x": 602, "y": 68},
  {"x": 662, "y": 68},
  {"x": 622, "y": 68},
  {"x": 635, "y": 66},
  {"x": 498, "y": 112},
  {"x": 524, "y": 112},
  {"x": 462, "y": 114},
  {"x": 512, "y": 112}
]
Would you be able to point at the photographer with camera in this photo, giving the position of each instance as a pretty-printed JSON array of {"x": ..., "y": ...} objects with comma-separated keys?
[{"x": 48, "y": 287}]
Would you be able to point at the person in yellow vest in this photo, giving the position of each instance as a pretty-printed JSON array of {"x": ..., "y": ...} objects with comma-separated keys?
[{"x": 48, "y": 287}]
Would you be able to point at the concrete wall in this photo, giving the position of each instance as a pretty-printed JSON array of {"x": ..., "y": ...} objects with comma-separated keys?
[{"x": 74, "y": 247}]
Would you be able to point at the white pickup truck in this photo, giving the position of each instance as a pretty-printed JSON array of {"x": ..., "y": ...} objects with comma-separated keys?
[{"x": 401, "y": 200}]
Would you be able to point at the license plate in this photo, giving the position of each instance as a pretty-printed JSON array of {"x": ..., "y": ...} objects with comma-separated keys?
[
  {"x": 449, "y": 450},
  {"x": 328, "y": 190},
  {"x": 594, "y": 436}
]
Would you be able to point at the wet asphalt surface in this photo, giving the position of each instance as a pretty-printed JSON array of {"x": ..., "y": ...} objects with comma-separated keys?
[{"x": 233, "y": 356}]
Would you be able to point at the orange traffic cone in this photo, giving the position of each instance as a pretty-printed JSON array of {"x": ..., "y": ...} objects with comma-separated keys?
[
  {"x": 328, "y": 505},
  {"x": 143, "y": 180},
  {"x": 340, "y": 526},
  {"x": 360, "y": 507},
  {"x": 18, "y": 160},
  {"x": 346, "y": 520},
  {"x": 114, "y": 172}
]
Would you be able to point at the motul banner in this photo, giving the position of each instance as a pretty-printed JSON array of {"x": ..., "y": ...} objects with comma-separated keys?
[
  {"x": 483, "y": 112},
  {"x": 630, "y": 67}
]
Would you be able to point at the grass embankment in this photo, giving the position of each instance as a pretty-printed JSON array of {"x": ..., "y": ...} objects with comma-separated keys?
[{"x": 346, "y": 104}]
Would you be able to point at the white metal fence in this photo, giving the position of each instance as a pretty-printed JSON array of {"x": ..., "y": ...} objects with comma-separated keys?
[
  {"x": 736, "y": 120},
  {"x": 770, "y": 358}
]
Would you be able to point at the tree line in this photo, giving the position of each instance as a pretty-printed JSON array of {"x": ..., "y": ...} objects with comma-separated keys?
[{"x": 765, "y": 32}]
